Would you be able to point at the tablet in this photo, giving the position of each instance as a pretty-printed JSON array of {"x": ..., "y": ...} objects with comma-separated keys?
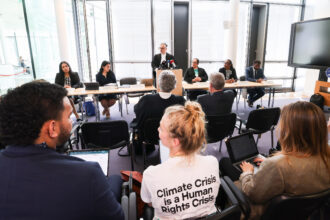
[{"x": 95, "y": 155}]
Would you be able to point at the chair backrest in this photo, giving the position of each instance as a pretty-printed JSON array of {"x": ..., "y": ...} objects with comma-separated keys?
[
  {"x": 104, "y": 134},
  {"x": 147, "y": 82},
  {"x": 128, "y": 81},
  {"x": 242, "y": 199},
  {"x": 295, "y": 207},
  {"x": 220, "y": 126},
  {"x": 150, "y": 130},
  {"x": 263, "y": 119}
]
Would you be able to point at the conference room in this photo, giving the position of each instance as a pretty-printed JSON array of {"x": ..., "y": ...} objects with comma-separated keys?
[{"x": 146, "y": 83}]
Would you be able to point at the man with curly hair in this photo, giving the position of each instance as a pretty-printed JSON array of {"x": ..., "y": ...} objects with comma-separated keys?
[{"x": 36, "y": 181}]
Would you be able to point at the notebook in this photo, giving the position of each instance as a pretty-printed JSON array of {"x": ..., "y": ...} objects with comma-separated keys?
[
  {"x": 243, "y": 148},
  {"x": 95, "y": 155}
]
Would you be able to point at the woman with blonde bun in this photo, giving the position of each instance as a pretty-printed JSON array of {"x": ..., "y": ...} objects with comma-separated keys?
[{"x": 185, "y": 185}]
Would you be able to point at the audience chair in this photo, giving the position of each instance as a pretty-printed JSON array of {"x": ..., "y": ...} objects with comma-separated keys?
[
  {"x": 129, "y": 81},
  {"x": 242, "y": 199},
  {"x": 286, "y": 207},
  {"x": 107, "y": 134},
  {"x": 260, "y": 121},
  {"x": 148, "y": 135},
  {"x": 128, "y": 200},
  {"x": 219, "y": 127}
]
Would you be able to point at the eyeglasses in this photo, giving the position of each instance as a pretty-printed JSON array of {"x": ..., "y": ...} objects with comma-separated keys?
[{"x": 162, "y": 48}]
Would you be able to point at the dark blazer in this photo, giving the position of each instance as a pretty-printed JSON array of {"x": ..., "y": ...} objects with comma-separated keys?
[
  {"x": 249, "y": 74},
  {"x": 231, "y": 76},
  {"x": 217, "y": 103},
  {"x": 39, "y": 183},
  {"x": 189, "y": 75},
  {"x": 111, "y": 78},
  {"x": 157, "y": 58},
  {"x": 153, "y": 106},
  {"x": 74, "y": 77}
]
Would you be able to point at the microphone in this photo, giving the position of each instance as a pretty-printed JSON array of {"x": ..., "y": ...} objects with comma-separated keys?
[
  {"x": 163, "y": 65},
  {"x": 173, "y": 63}
]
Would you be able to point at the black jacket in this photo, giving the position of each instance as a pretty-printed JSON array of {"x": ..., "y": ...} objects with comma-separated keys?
[
  {"x": 74, "y": 77},
  {"x": 39, "y": 183},
  {"x": 111, "y": 78},
  {"x": 157, "y": 58},
  {"x": 153, "y": 106},
  {"x": 189, "y": 75},
  {"x": 217, "y": 103},
  {"x": 231, "y": 76}
]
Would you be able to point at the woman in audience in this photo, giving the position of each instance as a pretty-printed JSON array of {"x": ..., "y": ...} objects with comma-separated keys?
[
  {"x": 229, "y": 71},
  {"x": 185, "y": 185},
  {"x": 302, "y": 166},
  {"x": 103, "y": 77},
  {"x": 68, "y": 79}
]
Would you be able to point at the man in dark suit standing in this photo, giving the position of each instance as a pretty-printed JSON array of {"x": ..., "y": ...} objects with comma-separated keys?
[
  {"x": 162, "y": 60},
  {"x": 218, "y": 102},
  {"x": 255, "y": 74},
  {"x": 195, "y": 74},
  {"x": 36, "y": 181}
]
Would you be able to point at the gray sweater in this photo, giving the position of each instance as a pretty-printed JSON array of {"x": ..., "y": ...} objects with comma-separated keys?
[{"x": 281, "y": 174}]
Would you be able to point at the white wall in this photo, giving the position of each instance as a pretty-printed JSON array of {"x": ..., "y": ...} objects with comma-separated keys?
[{"x": 314, "y": 10}]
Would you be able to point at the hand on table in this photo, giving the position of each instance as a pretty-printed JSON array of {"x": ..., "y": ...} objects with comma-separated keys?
[
  {"x": 230, "y": 81},
  {"x": 197, "y": 79},
  {"x": 67, "y": 86}
]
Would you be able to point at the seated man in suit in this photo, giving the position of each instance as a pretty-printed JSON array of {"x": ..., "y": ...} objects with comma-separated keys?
[
  {"x": 154, "y": 105},
  {"x": 195, "y": 74},
  {"x": 162, "y": 60},
  {"x": 255, "y": 74},
  {"x": 36, "y": 181},
  {"x": 218, "y": 102}
]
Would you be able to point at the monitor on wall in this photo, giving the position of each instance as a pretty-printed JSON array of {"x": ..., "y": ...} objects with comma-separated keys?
[{"x": 310, "y": 44}]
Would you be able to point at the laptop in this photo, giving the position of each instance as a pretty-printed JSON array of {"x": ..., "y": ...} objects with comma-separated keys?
[
  {"x": 91, "y": 85},
  {"x": 243, "y": 148},
  {"x": 95, "y": 155}
]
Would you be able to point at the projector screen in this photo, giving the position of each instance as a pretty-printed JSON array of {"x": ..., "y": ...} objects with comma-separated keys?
[{"x": 310, "y": 44}]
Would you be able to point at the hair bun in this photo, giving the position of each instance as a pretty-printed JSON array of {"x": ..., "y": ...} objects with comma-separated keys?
[{"x": 195, "y": 109}]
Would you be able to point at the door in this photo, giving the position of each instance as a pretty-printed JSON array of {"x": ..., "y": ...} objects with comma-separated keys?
[{"x": 181, "y": 22}]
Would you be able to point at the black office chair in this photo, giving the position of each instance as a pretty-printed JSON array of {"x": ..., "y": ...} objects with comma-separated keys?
[
  {"x": 106, "y": 134},
  {"x": 295, "y": 207},
  {"x": 261, "y": 121},
  {"x": 226, "y": 200},
  {"x": 129, "y": 81},
  {"x": 149, "y": 136},
  {"x": 219, "y": 127},
  {"x": 243, "y": 201}
]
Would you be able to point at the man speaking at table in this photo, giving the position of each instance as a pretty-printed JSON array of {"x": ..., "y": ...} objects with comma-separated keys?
[{"x": 163, "y": 60}]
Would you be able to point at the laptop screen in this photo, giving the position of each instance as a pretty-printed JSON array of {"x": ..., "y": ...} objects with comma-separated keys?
[
  {"x": 100, "y": 156},
  {"x": 241, "y": 147}
]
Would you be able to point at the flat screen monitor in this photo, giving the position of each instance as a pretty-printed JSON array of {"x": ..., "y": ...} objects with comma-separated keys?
[{"x": 310, "y": 44}]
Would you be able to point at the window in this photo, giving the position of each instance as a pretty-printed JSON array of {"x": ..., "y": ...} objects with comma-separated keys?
[
  {"x": 131, "y": 28},
  {"x": 97, "y": 34},
  {"x": 15, "y": 60},
  {"x": 44, "y": 39},
  {"x": 278, "y": 39},
  {"x": 162, "y": 24}
]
